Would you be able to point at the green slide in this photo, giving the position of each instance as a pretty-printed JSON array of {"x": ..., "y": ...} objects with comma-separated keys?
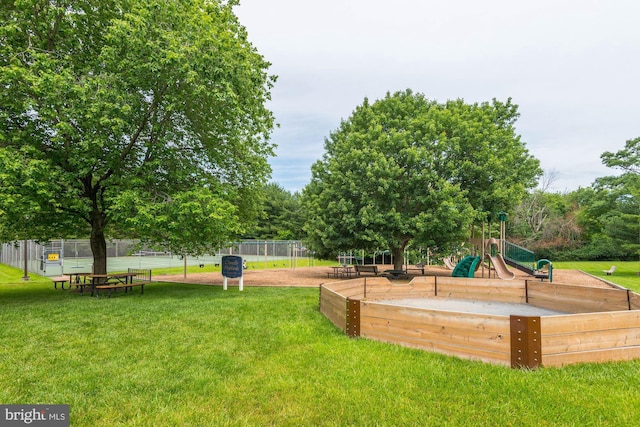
[{"x": 466, "y": 267}]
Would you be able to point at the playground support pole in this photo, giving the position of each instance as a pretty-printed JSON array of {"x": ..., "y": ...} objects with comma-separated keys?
[
  {"x": 503, "y": 233},
  {"x": 26, "y": 262},
  {"x": 482, "y": 252}
]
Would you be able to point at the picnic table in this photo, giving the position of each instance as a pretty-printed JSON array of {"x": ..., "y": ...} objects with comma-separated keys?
[
  {"x": 76, "y": 277},
  {"x": 340, "y": 272},
  {"x": 110, "y": 282},
  {"x": 62, "y": 280}
]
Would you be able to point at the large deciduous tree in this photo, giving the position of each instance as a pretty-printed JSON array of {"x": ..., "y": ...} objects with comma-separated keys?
[
  {"x": 406, "y": 168},
  {"x": 139, "y": 118},
  {"x": 627, "y": 159},
  {"x": 282, "y": 216},
  {"x": 622, "y": 221}
]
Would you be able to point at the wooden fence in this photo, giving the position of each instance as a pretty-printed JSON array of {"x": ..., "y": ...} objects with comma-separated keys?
[{"x": 601, "y": 324}]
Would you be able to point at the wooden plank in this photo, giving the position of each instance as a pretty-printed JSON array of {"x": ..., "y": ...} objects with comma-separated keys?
[
  {"x": 343, "y": 284},
  {"x": 329, "y": 293},
  {"x": 418, "y": 321},
  {"x": 479, "y": 295},
  {"x": 576, "y": 299},
  {"x": 571, "y": 305},
  {"x": 435, "y": 332},
  {"x": 443, "y": 322},
  {"x": 581, "y": 322},
  {"x": 335, "y": 312},
  {"x": 505, "y": 298},
  {"x": 578, "y": 292},
  {"x": 463, "y": 281},
  {"x": 634, "y": 301},
  {"x": 423, "y": 280},
  {"x": 377, "y": 281},
  {"x": 332, "y": 304},
  {"x": 465, "y": 352},
  {"x": 590, "y": 340},
  {"x": 396, "y": 296},
  {"x": 339, "y": 321},
  {"x": 353, "y": 292},
  {"x": 391, "y": 288},
  {"x": 605, "y": 355},
  {"x": 492, "y": 324},
  {"x": 482, "y": 337},
  {"x": 347, "y": 288},
  {"x": 509, "y": 294},
  {"x": 389, "y": 291},
  {"x": 334, "y": 307}
]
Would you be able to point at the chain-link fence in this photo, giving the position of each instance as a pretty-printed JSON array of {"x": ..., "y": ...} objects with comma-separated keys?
[{"x": 65, "y": 256}]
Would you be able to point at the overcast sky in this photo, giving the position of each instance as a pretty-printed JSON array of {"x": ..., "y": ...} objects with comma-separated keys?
[{"x": 572, "y": 66}]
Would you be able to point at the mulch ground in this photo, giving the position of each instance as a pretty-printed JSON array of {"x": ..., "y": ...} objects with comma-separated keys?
[{"x": 315, "y": 276}]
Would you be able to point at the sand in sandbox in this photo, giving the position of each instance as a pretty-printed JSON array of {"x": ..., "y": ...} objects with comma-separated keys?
[{"x": 470, "y": 306}]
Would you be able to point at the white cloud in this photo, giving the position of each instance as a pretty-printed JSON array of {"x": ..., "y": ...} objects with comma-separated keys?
[{"x": 570, "y": 65}]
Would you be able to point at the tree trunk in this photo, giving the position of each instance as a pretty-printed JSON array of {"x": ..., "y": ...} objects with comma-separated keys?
[
  {"x": 398, "y": 259},
  {"x": 98, "y": 243}
]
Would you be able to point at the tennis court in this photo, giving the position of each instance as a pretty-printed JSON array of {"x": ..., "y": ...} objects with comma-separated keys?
[{"x": 66, "y": 256}]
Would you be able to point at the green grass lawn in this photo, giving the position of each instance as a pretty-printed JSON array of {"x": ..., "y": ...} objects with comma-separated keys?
[
  {"x": 251, "y": 265},
  {"x": 189, "y": 355},
  {"x": 626, "y": 273}
]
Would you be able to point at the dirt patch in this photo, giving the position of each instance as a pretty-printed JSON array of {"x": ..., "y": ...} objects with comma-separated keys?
[{"x": 314, "y": 276}]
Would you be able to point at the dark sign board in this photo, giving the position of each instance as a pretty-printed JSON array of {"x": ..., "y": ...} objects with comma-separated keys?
[{"x": 232, "y": 266}]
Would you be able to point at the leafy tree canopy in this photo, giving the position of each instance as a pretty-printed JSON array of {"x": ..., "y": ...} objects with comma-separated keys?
[
  {"x": 406, "y": 168},
  {"x": 138, "y": 118},
  {"x": 627, "y": 159},
  {"x": 281, "y": 218}
]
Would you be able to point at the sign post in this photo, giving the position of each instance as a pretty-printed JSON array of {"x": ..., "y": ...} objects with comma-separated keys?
[{"x": 231, "y": 269}]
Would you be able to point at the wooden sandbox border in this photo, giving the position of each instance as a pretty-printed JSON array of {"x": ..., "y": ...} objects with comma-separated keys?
[{"x": 603, "y": 324}]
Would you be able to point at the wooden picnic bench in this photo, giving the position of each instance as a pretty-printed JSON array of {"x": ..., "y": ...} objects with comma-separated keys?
[
  {"x": 61, "y": 280},
  {"x": 366, "y": 269},
  {"x": 126, "y": 281},
  {"x": 115, "y": 286},
  {"x": 81, "y": 286},
  {"x": 341, "y": 272},
  {"x": 420, "y": 267}
]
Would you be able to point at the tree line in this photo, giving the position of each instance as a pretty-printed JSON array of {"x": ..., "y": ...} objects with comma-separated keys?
[
  {"x": 148, "y": 120},
  {"x": 599, "y": 222}
]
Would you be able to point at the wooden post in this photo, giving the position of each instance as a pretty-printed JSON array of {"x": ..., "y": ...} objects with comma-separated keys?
[
  {"x": 26, "y": 262},
  {"x": 526, "y": 347},
  {"x": 353, "y": 318}
]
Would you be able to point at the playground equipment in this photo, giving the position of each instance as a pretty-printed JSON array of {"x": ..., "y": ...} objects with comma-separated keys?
[
  {"x": 502, "y": 253},
  {"x": 466, "y": 267},
  {"x": 499, "y": 265},
  {"x": 544, "y": 270},
  {"x": 448, "y": 263}
]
